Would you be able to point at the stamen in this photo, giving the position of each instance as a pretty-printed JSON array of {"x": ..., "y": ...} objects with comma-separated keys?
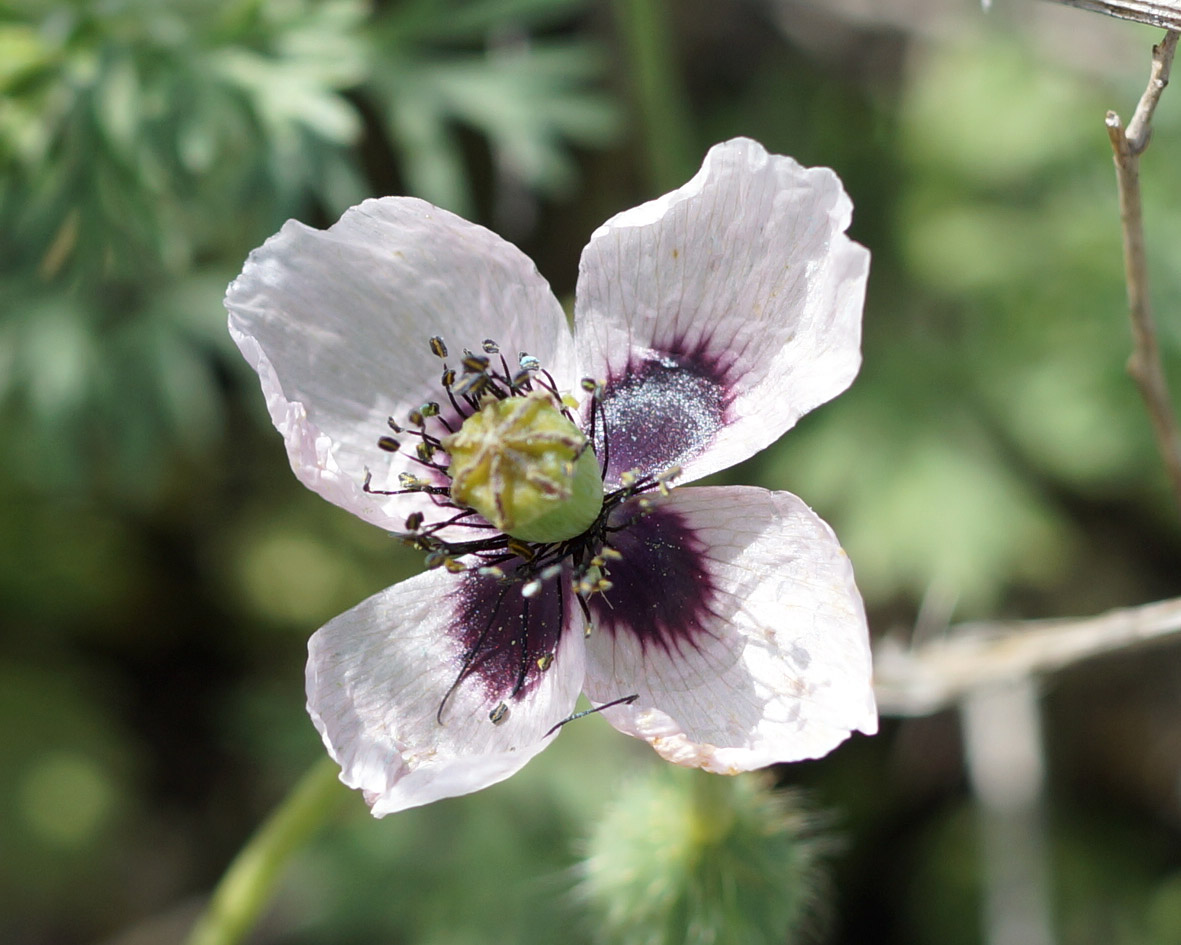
[
  {"x": 470, "y": 386},
  {"x": 490, "y": 346},
  {"x": 626, "y": 700},
  {"x": 521, "y": 549},
  {"x": 665, "y": 477},
  {"x": 475, "y": 363},
  {"x": 388, "y": 443},
  {"x": 411, "y": 483},
  {"x": 438, "y": 349}
]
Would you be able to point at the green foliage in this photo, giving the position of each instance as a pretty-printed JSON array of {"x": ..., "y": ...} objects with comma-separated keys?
[
  {"x": 145, "y": 147},
  {"x": 528, "y": 97},
  {"x": 132, "y": 132}
]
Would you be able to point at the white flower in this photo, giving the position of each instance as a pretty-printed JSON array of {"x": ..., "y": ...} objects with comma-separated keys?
[{"x": 719, "y": 624}]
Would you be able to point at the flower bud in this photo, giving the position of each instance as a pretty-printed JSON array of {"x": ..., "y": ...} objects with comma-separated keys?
[{"x": 523, "y": 465}]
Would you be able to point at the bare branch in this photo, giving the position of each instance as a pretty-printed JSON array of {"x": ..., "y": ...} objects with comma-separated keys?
[
  {"x": 1139, "y": 129},
  {"x": 1163, "y": 13},
  {"x": 938, "y": 674},
  {"x": 1145, "y": 363}
]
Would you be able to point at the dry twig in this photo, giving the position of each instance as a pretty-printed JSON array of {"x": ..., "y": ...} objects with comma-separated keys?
[
  {"x": 938, "y": 674},
  {"x": 1163, "y": 13},
  {"x": 1145, "y": 363}
]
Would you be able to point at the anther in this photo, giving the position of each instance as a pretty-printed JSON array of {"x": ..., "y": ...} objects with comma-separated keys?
[
  {"x": 388, "y": 443},
  {"x": 455, "y": 567},
  {"x": 448, "y": 378},
  {"x": 499, "y": 714},
  {"x": 413, "y": 521},
  {"x": 545, "y": 662},
  {"x": 415, "y": 418},
  {"x": 491, "y": 347},
  {"x": 520, "y": 549},
  {"x": 529, "y": 363},
  {"x": 471, "y": 384},
  {"x": 429, "y": 409},
  {"x": 667, "y": 476},
  {"x": 411, "y": 482},
  {"x": 425, "y": 451},
  {"x": 475, "y": 363},
  {"x": 438, "y": 349},
  {"x": 532, "y": 588},
  {"x": 394, "y": 425}
]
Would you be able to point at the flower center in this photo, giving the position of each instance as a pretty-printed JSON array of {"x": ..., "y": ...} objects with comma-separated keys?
[{"x": 526, "y": 468}]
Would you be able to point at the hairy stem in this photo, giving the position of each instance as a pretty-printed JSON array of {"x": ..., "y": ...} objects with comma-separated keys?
[{"x": 247, "y": 886}]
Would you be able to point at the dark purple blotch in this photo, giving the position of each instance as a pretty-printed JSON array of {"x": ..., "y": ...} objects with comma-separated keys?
[
  {"x": 662, "y": 592},
  {"x": 662, "y": 411},
  {"x": 505, "y": 637}
]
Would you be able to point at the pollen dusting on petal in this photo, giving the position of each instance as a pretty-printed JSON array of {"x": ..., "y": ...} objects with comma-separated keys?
[
  {"x": 526, "y": 468},
  {"x": 662, "y": 411},
  {"x": 662, "y": 592}
]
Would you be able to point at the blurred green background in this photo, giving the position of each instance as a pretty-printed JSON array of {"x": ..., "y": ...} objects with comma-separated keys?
[{"x": 160, "y": 569}]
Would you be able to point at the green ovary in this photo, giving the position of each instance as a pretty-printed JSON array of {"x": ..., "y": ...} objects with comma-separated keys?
[{"x": 526, "y": 468}]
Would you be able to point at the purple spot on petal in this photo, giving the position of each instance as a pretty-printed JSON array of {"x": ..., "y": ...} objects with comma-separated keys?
[
  {"x": 662, "y": 412},
  {"x": 505, "y": 636},
  {"x": 662, "y": 591}
]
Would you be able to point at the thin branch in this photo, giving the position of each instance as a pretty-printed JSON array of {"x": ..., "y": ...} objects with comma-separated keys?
[
  {"x": 938, "y": 674},
  {"x": 1163, "y": 13},
  {"x": 1145, "y": 363}
]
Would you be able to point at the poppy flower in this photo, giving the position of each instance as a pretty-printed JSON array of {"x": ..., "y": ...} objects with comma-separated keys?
[{"x": 425, "y": 378}]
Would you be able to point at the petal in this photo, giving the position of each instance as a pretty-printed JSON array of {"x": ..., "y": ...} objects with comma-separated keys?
[
  {"x": 337, "y": 324},
  {"x": 746, "y": 646},
  {"x": 722, "y": 312},
  {"x": 405, "y": 687}
]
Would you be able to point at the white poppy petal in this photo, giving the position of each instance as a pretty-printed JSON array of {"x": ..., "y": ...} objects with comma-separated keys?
[
  {"x": 722, "y": 312},
  {"x": 735, "y": 620},
  {"x": 337, "y": 324},
  {"x": 383, "y": 692}
]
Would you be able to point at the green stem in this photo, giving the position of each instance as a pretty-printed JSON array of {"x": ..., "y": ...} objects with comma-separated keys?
[
  {"x": 663, "y": 112},
  {"x": 248, "y": 884}
]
